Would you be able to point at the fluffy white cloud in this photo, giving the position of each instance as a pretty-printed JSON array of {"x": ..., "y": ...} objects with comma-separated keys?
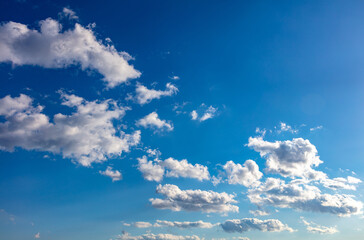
[
  {"x": 341, "y": 183},
  {"x": 193, "y": 200},
  {"x": 204, "y": 113},
  {"x": 247, "y": 224},
  {"x": 289, "y": 158},
  {"x": 197, "y": 224},
  {"x": 145, "y": 95},
  {"x": 86, "y": 136},
  {"x": 161, "y": 236},
  {"x": 299, "y": 195},
  {"x": 157, "y": 169},
  {"x": 246, "y": 175},
  {"x": 153, "y": 121},
  {"x": 314, "y": 228},
  {"x": 52, "y": 47},
  {"x": 115, "y": 175},
  {"x": 151, "y": 171}
]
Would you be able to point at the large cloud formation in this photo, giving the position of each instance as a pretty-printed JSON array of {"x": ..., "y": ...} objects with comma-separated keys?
[
  {"x": 289, "y": 158},
  {"x": 247, "y": 224},
  {"x": 52, "y": 47},
  {"x": 157, "y": 169},
  {"x": 193, "y": 200},
  {"x": 299, "y": 195},
  {"x": 86, "y": 136}
]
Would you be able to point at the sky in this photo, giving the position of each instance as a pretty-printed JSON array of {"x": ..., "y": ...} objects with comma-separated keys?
[{"x": 181, "y": 120}]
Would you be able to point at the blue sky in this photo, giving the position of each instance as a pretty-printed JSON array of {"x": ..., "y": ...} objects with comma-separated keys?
[{"x": 181, "y": 120}]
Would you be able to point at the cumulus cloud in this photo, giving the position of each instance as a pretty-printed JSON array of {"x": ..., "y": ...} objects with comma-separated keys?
[
  {"x": 145, "y": 95},
  {"x": 151, "y": 171},
  {"x": 86, "y": 136},
  {"x": 197, "y": 224},
  {"x": 157, "y": 169},
  {"x": 247, "y": 224},
  {"x": 289, "y": 158},
  {"x": 115, "y": 175},
  {"x": 246, "y": 175},
  {"x": 299, "y": 195},
  {"x": 193, "y": 200},
  {"x": 68, "y": 13},
  {"x": 315, "y": 228},
  {"x": 161, "y": 236},
  {"x": 51, "y": 46},
  {"x": 203, "y": 113},
  {"x": 153, "y": 121}
]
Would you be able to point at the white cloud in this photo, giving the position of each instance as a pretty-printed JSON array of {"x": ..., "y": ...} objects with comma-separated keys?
[
  {"x": 175, "y": 77},
  {"x": 53, "y": 47},
  {"x": 247, "y": 224},
  {"x": 153, "y": 121},
  {"x": 259, "y": 212},
  {"x": 143, "y": 224},
  {"x": 209, "y": 113},
  {"x": 157, "y": 169},
  {"x": 115, "y": 175},
  {"x": 246, "y": 175},
  {"x": 145, "y": 95},
  {"x": 193, "y": 200},
  {"x": 316, "y": 128},
  {"x": 86, "y": 136},
  {"x": 197, "y": 224},
  {"x": 341, "y": 183},
  {"x": 315, "y": 228},
  {"x": 37, "y": 235},
  {"x": 283, "y": 127},
  {"x": 205, "y": 113},
  {"x": 194, "y": 115},
  {"x": 68, "y": 13},
  {"x": 299, "y": 195},
  {"x": 289, "y": 158},
  {"x": 161, "y": 236},
  {"x": 151, "y": 171}
]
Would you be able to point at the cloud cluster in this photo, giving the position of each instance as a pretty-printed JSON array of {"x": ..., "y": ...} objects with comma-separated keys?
[
  {"x": 289, "y": 158},
  {"x": 145, "y": 95},
  {"x": 283, "y": 127},
  {"x": 193, "y": 200},
  {"x": 53, "y": 47},
  {"x": 115, "y": 175},
  {"x": 153, "y": 121},
  {"x": 247, "y": 174},
  {"x": 315, "y": 228},
  {"x": 161, "y": 236},
  {"x": 299, "y": 195},
  {"x": 157, "y": 169},
  {"x": 87, "y": 135},
  {"x": 247, "y": 224}
]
